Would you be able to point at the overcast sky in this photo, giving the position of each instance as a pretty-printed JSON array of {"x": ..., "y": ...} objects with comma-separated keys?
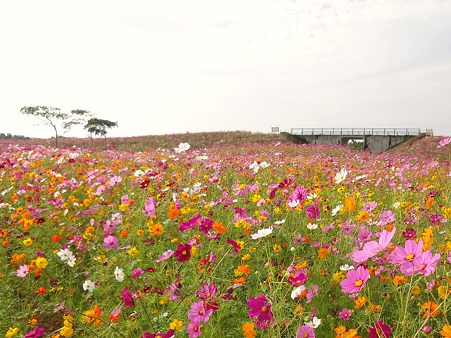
[{"x": 172, "y": 66}]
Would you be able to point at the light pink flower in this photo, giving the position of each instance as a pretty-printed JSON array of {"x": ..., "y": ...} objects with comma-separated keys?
[{"x": 372, "y": 248}]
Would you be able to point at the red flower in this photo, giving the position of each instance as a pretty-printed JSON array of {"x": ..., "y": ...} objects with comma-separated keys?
[{"x": 183, "y": 252}]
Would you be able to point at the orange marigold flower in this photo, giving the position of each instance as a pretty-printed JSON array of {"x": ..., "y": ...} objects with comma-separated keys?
[
  {"x": 156, "y": 229},
  {"x": 93, "y": 315},
  {"x": 249, "y": 330},
  {"x": 41, "y": 290},
  {"x": 446, "y": 331},
  {"x": 375, "y": 308},
  {"x": 427, "y": 237},
  {"x": 350, "y": 203},
  {"x": 399, "y": 280},
  {"x": 430, "y": 309},
  {"x": 56, "y": 238},
  {"x": 362, "y": 216},
  {"x": 220, "y": 228},
  {"x": 323, "y": 252}
]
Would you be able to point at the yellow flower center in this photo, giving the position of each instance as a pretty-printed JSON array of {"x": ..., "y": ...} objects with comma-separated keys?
[
  {"x": 358, "y": 283},
  {"x": 184, "y": 252},
  {"x": 264, "y": 309},
  {"x": 409, "y": 257}
]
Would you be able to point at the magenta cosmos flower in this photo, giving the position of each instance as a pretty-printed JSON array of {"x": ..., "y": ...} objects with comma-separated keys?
[
  {"x": 355, "y": 280},
  {"x": 380, "y": 330},
  {"x": 183, "y": 252},
  {"x": 260, "y": 308},
  {"x": 312, "y": 211},
  {"x": 168, "y": 334}
]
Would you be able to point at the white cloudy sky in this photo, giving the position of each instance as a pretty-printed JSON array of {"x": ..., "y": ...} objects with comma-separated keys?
[{"x": 171, "y": 66}]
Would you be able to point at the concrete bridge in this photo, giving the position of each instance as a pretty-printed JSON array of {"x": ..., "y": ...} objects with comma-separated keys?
[{"x": 376, "y": 140}]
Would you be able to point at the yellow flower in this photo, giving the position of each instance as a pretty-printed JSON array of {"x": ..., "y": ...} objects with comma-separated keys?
[
  {"x": 339, "y": 276},
  {"x": 41, "y": 262},
  {"x": 277, "y": 248},
  {"x": 176, "y": 324},
  {"x": 446, "y": 211},
  {"x": 27, "y": 242},
  {"x": 12, "y": 331},
  {"x": 444, "y": 291},
  {"x": 66, "y": 331},
  {"x": 133, "y": 252},
  {"x": 246, "y": 257}
]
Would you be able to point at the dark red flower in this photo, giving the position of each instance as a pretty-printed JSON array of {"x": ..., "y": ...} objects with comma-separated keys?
[{"x": 183, "y": 252}]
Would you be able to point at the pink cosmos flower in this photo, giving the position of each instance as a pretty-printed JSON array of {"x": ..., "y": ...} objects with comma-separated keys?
[
  {"x": 166, "y": 255},
  {"x": 355, "y": 280},
  {"x": 380, "y": 330},
  {"x": 424, "y": 264},
  {"x": 110, "y": 242},
  {"x": 444, "y": 142},
  {"x": 387, "y": 217},
  {"x": 372, "y": 248},
  {"x": 206, "y": 291},
  {"x": 407, "y": 254},
  {"x": 193, "y": 330},
  {"x": 22, "y": 271},
  {"x": 136, "y": 273},
  {"x": 150, "y": 207},
  {"x": 199, "y": 313},
  {"x": 305, "y": 331},
  {"x": 260, "y": 308},
  {"x": 344, "y": 314},
  {"x": 297, "y": 197}
]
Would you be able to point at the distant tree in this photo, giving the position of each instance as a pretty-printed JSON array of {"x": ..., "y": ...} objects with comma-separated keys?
[
  {"x": 9, "y": 136},
  {"x": 99, "y": 127},
  {"x": 53, "y": 117}
]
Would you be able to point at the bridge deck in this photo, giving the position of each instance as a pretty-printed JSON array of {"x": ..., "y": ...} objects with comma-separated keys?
[{"x": 357, "y": 131}]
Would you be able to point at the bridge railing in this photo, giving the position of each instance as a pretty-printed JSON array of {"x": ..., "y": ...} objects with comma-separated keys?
[{"x": 356, "y": 131}]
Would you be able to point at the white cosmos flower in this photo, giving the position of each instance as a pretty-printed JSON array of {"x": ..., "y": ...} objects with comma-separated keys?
[
  {"x": 279, "y": 222},
  {"x": 346, "y": 267},
  {"x": 293, "y": 204},
  {"x": 312, "y": 226},
  {"x": 314, "y": 323},
  {"x": 336, "y": 210},
  {"x": 182, "y": 147},
  {"x": 119, "y": 274},
  {"x": 262, "y": 233},
  {"x": 340, "y": 176},
  {"x": 88, "y": 285},
  {"x": 296, "y": 292},
  {"x": 67, "y": 256}
]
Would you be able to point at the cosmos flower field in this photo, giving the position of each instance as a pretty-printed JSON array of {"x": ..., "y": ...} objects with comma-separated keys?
[{"x": 249, "y": 240}]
